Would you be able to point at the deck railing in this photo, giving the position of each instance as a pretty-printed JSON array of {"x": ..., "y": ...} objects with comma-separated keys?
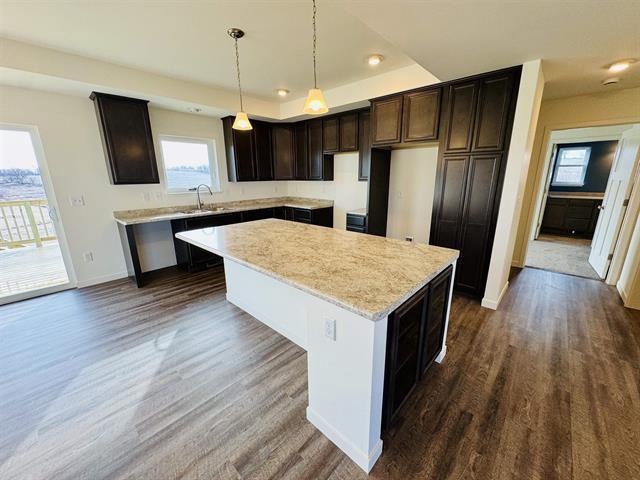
[{"x": 24, "y": 222}]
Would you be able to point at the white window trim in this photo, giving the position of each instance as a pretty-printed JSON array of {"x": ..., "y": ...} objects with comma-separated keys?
[
  {"x": 213, "y": 162},
  {"x": 555, "y": 183}
]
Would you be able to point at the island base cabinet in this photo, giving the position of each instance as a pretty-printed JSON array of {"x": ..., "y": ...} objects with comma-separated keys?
[
  {"x": 345, "y": 370},
  {"x": 415, "y": 339}
]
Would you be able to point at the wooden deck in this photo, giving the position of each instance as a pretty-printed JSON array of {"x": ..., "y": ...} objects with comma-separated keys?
[{"x": 29, "y": 268}]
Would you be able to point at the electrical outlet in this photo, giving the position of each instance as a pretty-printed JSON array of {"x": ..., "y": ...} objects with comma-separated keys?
[
  {"x": 398, "y": 195},
  {"x": 408, "y": 238},
  {"x": 88, "y": 257},
  {"x": 158, "y": 195},
  {"x": 146, "y": 196},
  {"x": 330, "y": 329},
  {"x": 76, "y": 200}
]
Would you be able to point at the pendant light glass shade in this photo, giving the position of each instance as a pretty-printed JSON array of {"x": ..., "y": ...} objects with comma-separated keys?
[
  {"x": 315, "y": 103},
  {"x": 242, "y": 122}
]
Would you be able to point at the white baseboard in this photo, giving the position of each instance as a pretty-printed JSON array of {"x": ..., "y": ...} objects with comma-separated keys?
[
  {"x": 441, "y": 355},
  {"x": 102, "y": 279},
  {"x": 493, "y": 303},
  {"x": 365, "y": 460}
]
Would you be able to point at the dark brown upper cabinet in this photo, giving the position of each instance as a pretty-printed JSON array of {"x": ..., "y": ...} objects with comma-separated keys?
[
  {"x": 421, "y": 118},
  {"x": 301, "y": 150},
  {"x": 331, "y": 135},
  {"x": 493, "y": 113},
  {"x": 263, "y": 150},
  {"x": 461, "y": 112},
  {"x": 364, "y": 141},
  {"x": 283, "y": 151},
  {"x": 320, "y": 163},
  {"x": 126, "y": 137},
  {"x": 349, "y": 132},
  {"x": 240, "y": 148},
  {"x": 386, "y": 121}
]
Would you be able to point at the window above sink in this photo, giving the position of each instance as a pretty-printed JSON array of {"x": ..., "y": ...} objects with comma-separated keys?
[{"x": 188, "y": 162}]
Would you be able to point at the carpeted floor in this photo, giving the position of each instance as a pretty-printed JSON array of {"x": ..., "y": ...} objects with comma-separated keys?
[{"x": 561, "y": 254}]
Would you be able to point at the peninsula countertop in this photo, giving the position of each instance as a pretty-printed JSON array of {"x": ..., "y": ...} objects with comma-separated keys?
[
  {"x": 368, "y": 275},
  {"x": 149, "y": 215}
]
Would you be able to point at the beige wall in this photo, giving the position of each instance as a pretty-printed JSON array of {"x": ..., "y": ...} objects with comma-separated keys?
[
  {"x": 71, "y": 141},
  {"x": 619, "y": 106},
  {"x": 411, "y": 188}
]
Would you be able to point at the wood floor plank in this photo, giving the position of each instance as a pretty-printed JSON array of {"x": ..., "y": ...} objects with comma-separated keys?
[{"x": 173, "y": 382}]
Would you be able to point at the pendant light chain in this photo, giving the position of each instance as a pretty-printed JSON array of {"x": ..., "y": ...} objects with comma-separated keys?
[
  {"x": 315, "y": 81},
  {"x": 238, "y": 71}
]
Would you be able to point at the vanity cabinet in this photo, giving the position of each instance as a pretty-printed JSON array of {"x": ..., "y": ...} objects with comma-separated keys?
[
  {"x": 126, "y": 136},
  {"x": 386, "y": 121},
  {"x": 282, "y": 145},
  {"x": 415, "y": 335},
  {"x": 571, "y": 216}
]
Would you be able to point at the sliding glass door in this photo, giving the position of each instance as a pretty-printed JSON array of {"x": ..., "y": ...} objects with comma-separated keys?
[{"x": 34, "y": 259}]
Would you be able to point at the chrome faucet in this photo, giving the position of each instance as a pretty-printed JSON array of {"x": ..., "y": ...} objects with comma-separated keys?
[{"x": 197, "y": 189}]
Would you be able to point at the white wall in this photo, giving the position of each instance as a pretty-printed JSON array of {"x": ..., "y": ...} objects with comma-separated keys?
[
  {"x": 629, "y": 283},
  {"x": 345, "y": 190},
  {"x": 411, "y": 187},
  {"x": 524, "y": 128},
  {"x": 69, "y": 132}
]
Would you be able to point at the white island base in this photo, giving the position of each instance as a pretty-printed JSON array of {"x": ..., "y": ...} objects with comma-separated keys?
[{"x": 345, "y": 362}]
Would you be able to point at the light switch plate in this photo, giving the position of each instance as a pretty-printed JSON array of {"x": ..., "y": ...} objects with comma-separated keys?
[
  {"x": 330, "y": 329},
  {"x": 76, "y": 200}
]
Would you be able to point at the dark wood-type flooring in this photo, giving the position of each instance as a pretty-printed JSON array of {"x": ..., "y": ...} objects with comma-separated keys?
[{"x": 171, "y": 381}]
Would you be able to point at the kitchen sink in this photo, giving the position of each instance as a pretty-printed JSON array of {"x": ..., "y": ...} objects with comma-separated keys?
[{"x": 204, "y": 210}]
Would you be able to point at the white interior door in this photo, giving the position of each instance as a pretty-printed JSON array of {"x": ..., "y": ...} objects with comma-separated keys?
[
  {"x": 615, "y": 201},
  {"x": 545, "y": 195}
]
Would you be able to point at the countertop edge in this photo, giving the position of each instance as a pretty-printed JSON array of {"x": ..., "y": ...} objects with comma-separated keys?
[
  {"x": 374, "y": 316},
  {"x": 178, "y": 216}
]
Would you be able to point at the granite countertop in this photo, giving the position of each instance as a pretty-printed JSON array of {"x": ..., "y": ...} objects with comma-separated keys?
[
  {"x": 368, "y": 275},
  {"x": 580, "y": 195},
  {"x": 149, "y": 215},
  {"x": 357, "y": 211}
]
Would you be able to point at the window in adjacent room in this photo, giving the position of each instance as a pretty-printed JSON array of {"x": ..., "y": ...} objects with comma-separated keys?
[
  {"x": 571, "y": 167},
  {"x": 188, "y": 162}
]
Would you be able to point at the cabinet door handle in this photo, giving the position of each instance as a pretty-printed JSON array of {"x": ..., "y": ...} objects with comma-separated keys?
[{"x": 600, "y": 207}]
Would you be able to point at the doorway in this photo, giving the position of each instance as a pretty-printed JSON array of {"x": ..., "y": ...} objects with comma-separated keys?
[
  {"x": 34, "y": 259},
  {"x": 582, "y": 203}
]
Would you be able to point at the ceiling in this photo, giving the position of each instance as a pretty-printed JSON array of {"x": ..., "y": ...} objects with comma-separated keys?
[
  {"x": 576, "y": 39},
  {"x": 188, "y": 40}
]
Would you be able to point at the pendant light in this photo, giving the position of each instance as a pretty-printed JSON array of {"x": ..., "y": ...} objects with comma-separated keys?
[
  {"x": 315, "y": 103},
  {"x": 242, "y": 121}
]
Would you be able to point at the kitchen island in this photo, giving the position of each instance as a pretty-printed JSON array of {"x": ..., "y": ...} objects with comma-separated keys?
[{"x": 371, "y": 312}]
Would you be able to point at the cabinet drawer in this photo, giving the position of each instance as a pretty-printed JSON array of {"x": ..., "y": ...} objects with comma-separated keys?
[
  {"x": 351, "y": 228},
  {"x": 301, "y": 215},
  {"x": 263, "y": 213},
  {"x": 212, "y": 221},
  {"x": 356, "y": 220}
]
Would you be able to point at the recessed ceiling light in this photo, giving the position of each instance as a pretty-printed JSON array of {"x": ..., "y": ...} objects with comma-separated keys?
[
  {"x": 375, "y": 59},
  {"x": 282, "y": 92},
  {"x": 620, "y": 66}
]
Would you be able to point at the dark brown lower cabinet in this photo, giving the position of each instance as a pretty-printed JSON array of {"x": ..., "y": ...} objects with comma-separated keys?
[
  {"x": 571, "y": 216},
  {"x": 356, "y": 223},
  {"x": 415, "y": 334},
  {"x": 190, "y": 257}
]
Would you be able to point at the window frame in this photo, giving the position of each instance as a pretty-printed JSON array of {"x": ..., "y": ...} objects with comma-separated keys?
[
  {"x": 557, "y": 167},
  {"x": 214, "y": 171}
]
